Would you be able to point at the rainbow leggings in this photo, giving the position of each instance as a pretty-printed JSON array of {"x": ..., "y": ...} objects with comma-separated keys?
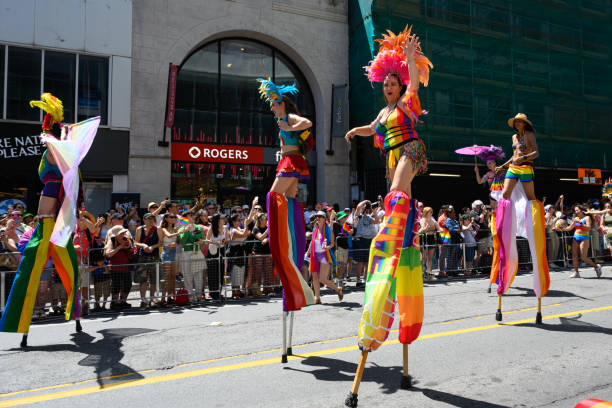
[
  {"x": 394, "y": 276},
  {"x": 17, "y": 314}
]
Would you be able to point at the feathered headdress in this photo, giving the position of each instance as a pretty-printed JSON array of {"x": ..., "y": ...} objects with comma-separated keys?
[
  {"x": 491, "y": 153},
  {"x": 391, "y": 59},
  {"x": 53, "y": 107},
  {"x": 271, "y": 92}
]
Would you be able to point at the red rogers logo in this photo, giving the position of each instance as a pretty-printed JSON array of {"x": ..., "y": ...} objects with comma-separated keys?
[{"x": 216, "y": 153}]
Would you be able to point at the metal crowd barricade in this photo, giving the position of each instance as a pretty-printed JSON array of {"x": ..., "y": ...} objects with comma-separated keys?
[{"x": 253, "y": 274}]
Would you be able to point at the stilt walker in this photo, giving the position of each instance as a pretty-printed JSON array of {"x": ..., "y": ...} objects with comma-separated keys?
[
  {"x": 52, "y": 238},
  {"x": 495, "y": 178},
  {"x": 520, "y": 213},
  {"x": 394, "y": 267},
  {"x": 286, "y": 229}
]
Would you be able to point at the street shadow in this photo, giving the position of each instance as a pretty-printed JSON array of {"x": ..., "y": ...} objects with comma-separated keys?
[
  {"x": 570, "y": 325},
  {"x": 551, "y": 293},
  {"x": 104, "y": 354},
  {"x": 455, "y": 400},
  {"x": 344, "y": 305},
  {"x": 332, "y": 369}
]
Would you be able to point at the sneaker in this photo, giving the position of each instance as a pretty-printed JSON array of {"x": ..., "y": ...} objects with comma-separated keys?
[
  {"x": 575, "y": 275},
  {"x": 598, "y": 270},
  {"x": 143, "y": 306}
]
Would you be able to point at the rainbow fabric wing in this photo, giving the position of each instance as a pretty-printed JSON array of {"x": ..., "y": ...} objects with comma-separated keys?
[
  {"x": 393, "y": 253},
  {"x": 69, "y": 153},
  {"x": 536, "y": 236},
  {"x": 495, "y": 264},
  {"x": 508, "y": 254},
  {"x": 594, "y": 403},
  {"x": 287, "y": 239},
  {"x": 17, "y": 315}
]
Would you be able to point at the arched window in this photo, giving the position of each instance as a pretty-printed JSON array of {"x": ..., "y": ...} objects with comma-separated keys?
[{"x": 217, "y": 102}]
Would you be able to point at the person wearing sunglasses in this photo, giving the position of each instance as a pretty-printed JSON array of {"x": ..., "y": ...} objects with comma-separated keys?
[{"x": 168, "y": 236}]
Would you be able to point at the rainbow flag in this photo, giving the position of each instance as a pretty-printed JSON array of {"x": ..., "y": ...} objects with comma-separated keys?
[
  {"x": 347, "y": 228},
  {"x": 183, "y": 220},
  {"x": 445, "y": 237}
]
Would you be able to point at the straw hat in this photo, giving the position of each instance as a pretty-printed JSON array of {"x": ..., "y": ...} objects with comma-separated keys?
[
  {"x": 520, "y": 116},
  {"x": 116, "y": 230}
]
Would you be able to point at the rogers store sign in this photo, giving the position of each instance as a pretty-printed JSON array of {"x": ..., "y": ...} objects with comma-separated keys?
[{"x": 193, "y": 152}]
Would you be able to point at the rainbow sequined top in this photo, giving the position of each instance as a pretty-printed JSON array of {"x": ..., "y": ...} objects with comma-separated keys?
[
  {"x": 48, "y": 172},
  {"x": 289, "y": 138},
  {"x": 398, "y": 129}
]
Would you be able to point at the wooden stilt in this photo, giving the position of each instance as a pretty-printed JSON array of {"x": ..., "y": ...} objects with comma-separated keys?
[
  {"x": 406, "y": 379},
  {"x": 284, "y": 356},
  {"x": 539, "y": 314},
  {"x": 489, "y": 290},
  {"x": 79, "y": 328},
  {"x": 24, "y": 341},
  {"x": 351, "y": 399},
  {"x": 498, "y": 315}
]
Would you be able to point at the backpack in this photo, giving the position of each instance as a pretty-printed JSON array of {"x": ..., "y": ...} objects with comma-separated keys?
[
  {"x": 307, "y": 142},
  {"x": 182, "y": 297}
]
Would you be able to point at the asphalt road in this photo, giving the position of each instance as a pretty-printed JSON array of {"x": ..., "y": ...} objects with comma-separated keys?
[{"x": 229, "y": 355}]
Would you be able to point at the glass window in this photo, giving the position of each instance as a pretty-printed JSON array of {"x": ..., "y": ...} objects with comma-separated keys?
[
  {"x": 197, "y": 80},
  {"x": 242, "y": 62},
  {"x": 60, "y": 79},
  {"x": 2, "y": 47},
  {"x": 93, "y": 88},
  {"x": 23, "y": 83}
]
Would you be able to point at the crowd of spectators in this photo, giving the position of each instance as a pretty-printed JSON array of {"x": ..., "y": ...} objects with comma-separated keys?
[{"x": 207, "y": 248}]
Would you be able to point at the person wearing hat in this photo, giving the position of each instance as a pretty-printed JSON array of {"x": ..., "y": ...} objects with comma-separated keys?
[
  {"x": 322, "y": 256},
  {"x": 521, "y": 205},
  {"x": 147, "y": 243},
  {"x": 341, "y": 243},
  {"x": 119, "y": 251}
]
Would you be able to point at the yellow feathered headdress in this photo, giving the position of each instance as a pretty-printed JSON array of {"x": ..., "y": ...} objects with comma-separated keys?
[{"x": 53, "y": 107}]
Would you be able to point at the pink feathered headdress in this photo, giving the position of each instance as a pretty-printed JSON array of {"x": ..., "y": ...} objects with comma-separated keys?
[{"x": 391, "y": 59}]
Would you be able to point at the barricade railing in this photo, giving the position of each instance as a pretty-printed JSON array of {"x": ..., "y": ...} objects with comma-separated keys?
[{"x": 235, "y": 271}]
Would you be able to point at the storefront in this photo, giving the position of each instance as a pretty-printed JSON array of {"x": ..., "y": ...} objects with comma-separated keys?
[{"x": 224, "y": 142}]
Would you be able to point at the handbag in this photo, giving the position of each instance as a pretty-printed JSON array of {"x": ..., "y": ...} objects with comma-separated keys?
[{"x": 8, "y": 261}]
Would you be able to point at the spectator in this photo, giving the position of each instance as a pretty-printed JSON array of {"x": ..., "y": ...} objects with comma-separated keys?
[
  {"x": 479, "y": 220},
  {"x": 428, "y": 228},
  {"x": 261, "y": 260},
  {"x": 452, "y": 225},
  {"x": 202, "y": 219},
  {"x": 606, "y": 226},
  {"x": 168, "y": 236},
  {"x": 59, "y": 297},
  {"x": 581, "y": 224},
  {"x": 133, "y": 225},
  {"x": 217, "y": 236},
  {"x": 147, "y": 242},
  {"x": 550, "y": 219},
  {"x": 119, "y": 251},
  {"x": 469, "y": 226},
  {"x": 321, "y": 256},
  {"x": 82, "y": 241},
  {"x": 20, "y": 227},
  {"x": 192, "y": 259},
  {"x": 366, "y": 229},
  {"x": 308, "y": 213},
  {"x": 211, "y": 208},
  {"x": 8, "y": 261},
  {"x": 342, "y": 244},
  {"x": 101, "y": 279},
  {"x": 105, "y": 224},
  {"x": 237, "y": 254}
]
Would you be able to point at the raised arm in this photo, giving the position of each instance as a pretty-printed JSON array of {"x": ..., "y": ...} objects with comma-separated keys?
[{"x": 367, "y": 130}]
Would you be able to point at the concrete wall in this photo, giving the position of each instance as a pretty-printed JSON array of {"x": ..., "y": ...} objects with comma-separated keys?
[{"x": 313, "y": 33}]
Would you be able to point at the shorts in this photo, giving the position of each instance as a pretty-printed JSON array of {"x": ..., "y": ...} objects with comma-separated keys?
[
  {"x": 523, "y": 173},
  {"x": 342, "y": 255},
  {"x": 52, "y": 188},
  {"x": 46, "y": 274},
  {"x": 58, "y": 292},
  {"x": 580, "y": 238},
  {"x": 484, "y": 244},
  {"x": 168, "y": 255},
  {"x": 469, "y": 252},
  {"x": 321, "y": 258},
  {"x": 145, "y": 270},
  {"x": 122, "y": 282},
  {"x": 293, "y": 165},
  {"x": 414, "y": 150},
  {"x": 430, "y": 239},
  {"x": 84, "y": 277},
  {"x": 361, "y": 249},
  {"x": 101, "y": 277}
]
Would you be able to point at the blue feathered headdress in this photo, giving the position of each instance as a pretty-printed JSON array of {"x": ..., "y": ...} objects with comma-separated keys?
[{"x": 271, "y": 92}]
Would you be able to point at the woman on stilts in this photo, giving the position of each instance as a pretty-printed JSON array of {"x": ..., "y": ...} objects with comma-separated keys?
[
  {"x": 394, "y": 267},
  {"x": 58, "y": 171},
  {"x": 495, "y": 178},
  {"x": 286, "y": 229},
  {"x": 520, "y": 213}
]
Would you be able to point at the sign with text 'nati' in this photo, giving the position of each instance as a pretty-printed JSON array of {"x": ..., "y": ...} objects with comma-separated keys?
[
  {"x": 192, "y": 152},
  {"x": 20, "y": 146}
]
